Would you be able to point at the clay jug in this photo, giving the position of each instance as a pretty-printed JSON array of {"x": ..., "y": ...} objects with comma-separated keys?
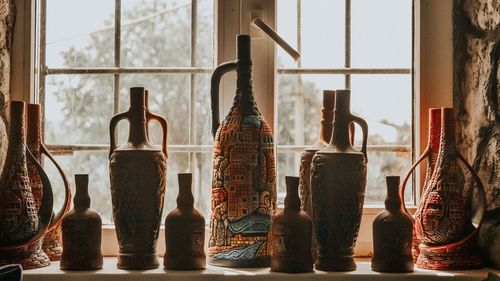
[
  {"x": 338, "y": 181},
  {"x": 81, "y": 231},
  {"x": 22, "y": 226},
  {"x": 138, "y": 179},
  {"x": 392, "y": 234},
  {"x": 243, "y": 178},
  {"x": 52, "y": 244},
  {"x": 291, "y": 231},
  {"x": 185, "y": 231}
]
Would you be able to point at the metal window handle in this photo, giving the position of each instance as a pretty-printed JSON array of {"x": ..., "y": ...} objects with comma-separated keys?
[{"x": 276, "y": 38}]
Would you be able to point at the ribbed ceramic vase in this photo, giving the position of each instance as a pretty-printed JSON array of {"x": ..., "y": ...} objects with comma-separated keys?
[
  {"x": 243, "y": 178},
  {"x": 52, "y": 243},
  {"x": 138, "y": 179},
  {"x": 338, "y": 181}
]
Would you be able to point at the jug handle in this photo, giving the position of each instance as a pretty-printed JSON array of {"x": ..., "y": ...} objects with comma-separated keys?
[
  {"x": 364, "y": 127},
  {"x": 402, "y": 187},
  {"x": 164, "y": 126},
  {"x": 214, "y": 91},
  {"x": 57, "y": 220},
  {"x": 112, "y": 126}
]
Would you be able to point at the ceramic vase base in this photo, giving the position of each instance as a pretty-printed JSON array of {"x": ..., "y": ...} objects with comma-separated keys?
[
  {"x": 53, "y": 248},
  {"x": 462, "y": 257},
  {"x": 29, "y": 257},
  {"x": 393, "y": 266},
  {"x": 191, "y": 264},
  {"x": 135, "y": 261},
  {"x": 290, "y": 266},
  {"x": 82, "y": 263},
  {"x": 336, "y": 264},
  {"x": 242, "y": 263}
]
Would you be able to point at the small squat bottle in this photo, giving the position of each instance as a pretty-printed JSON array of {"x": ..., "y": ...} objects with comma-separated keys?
[
  {"x": 392, "y": 234},
  {"x": 81, "y": 232},
  {"x": 185, "y": 231},
  {"x": 291, "y": 232}
]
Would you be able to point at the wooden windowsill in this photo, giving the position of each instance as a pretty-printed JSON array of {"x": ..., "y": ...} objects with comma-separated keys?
[{"x": 364, "y": 272}]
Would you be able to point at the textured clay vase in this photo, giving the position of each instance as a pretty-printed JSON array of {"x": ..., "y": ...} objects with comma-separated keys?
[
  {"x": 325, "y": 134},
  {"x": 185, "y": 231},
  {"x": 243, "y": 178},
  {"x": 52, "y": 244},
  {"x": 81, "y": 232},
  {"x": 291, "y": 231},
  {"x": 338, "y": 181},
  {"x": 138, "y": 172},
  {"x": 392, "y": 234},
  {"x": 22, "y": 225}
]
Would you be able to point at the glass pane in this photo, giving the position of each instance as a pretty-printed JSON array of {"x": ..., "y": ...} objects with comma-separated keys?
[
  {"x": 205, "y": 34},
  {"x": 203, "y": 122},
  {"x": 78, "y": 109},
  {"x": 288, "y": 165},
  {"x": 79, "y": 34},
  {"x": 381, "y": 33},
  {"x": 286, "y": 24},
  {"x": 169, "y": 96},
  {"x": 299, "y": 113},
  {"x": 156, "y": 33}
]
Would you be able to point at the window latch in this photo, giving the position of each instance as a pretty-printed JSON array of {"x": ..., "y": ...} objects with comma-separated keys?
[{"x": 262, "y": 25}]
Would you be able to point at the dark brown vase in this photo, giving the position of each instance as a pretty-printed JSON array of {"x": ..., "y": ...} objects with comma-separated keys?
[
  {"x": 81, "y": 232},
  {"x": 52, "y": 244},
  {"x": 243, "y": 178},
  {"x": 392, "y": 234},
  {"x": 22, "y": 225},
  {"x": 185, "y": 231},
  {"x": 138, "y": 180},
  {"x": 291, "y": 231},
  {"x": 325, "y": 133},
  {"x": 338, "y": 181}
]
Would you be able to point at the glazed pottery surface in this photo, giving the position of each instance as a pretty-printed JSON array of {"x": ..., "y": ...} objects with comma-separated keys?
[
  {"x": 338, "y": 181},
  {"x": 138, "y": 179},
  {"x": 185, "y": 231},
  {"x": 243, "y": 178},
  {"x": 81, "y": 232},
  {"x": 291, "y": 232},
  {"x": 392, "y": 234}
]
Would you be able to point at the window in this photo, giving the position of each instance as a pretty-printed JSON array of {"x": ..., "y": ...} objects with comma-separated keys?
[{"x": 89, "y": 58}]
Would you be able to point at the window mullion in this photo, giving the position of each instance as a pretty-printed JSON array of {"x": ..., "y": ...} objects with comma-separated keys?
[
  {"x": 347, "y": 63},
  {"x": 116, "y": 88}
]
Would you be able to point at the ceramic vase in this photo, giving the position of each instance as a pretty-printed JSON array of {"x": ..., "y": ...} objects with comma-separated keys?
[
  {"x": 81, "y": 231},
  {"x": 185, "y": 231},
  {"x": 138, "y": 180},
  {"x": 392, "y": 234},
  {"x": 22, "y": 225},
  {"x": 52, "y": 244},
  {"x": 291, "y": 232},
  {"x": 243, "y": 178},
  {"x": 338, "y": 181}
]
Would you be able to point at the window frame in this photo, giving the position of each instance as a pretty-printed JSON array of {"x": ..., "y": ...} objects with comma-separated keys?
[{"x": 432, "y": 73}]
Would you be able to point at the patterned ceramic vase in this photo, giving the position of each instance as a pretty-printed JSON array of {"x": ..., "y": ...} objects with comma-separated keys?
[
  {"x": 243, "y": 178},
  {"x": 22, "y": 224},
  {"x": 185, "y": 231},
  {"x": 52, "y": 244},
  {"x": 338, "y": 181},
  {"x": 138, "y": 179}
]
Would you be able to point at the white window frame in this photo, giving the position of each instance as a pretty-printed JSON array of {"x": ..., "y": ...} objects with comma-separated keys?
[{"x": 432, "y": 76}]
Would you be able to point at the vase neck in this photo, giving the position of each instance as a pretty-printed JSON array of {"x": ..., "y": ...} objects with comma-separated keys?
[
  {"x": 341, "y": 119},
  {"x": 137, "y": 117},
  {"x": 434, "y": 128},
  {"x": 33, "y": 132},
  {"x": 244, "y": 90},
  {"x": 81, "y": 201},
  {"x": 292, "y": 200},
  {"x": 325, "y": 131},
  {"x": 392, "y": 201},
  {"x": 447, "y": 128},
  {"x": 185, "y": 199},
  {"x": 17, "y": 140}
]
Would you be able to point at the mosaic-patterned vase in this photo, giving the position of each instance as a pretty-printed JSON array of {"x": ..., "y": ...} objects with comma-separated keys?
[
  {"x": 138, "y": 180},
  {"x": 243, "y": 178}
]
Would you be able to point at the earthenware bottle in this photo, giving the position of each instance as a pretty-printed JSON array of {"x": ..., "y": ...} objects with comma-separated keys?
[
  {"x": 325, "y": 134},
  {"x": 22, "y": 225},
  {"x": 137, "y": 175},
  {"x": 185, "y": 231},
  {"x": 81, "y": 231},
  {"x": 52, "y": 244},
  {"x": 338, "y": 181},
  {"x": 392, "y": 234},
  {"x": 243, "y": 178},
  {"x": 291, "y": 231}
]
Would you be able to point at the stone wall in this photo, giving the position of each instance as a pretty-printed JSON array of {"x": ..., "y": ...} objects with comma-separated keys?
[
  {"x": 7, "y": 18},
  {"x": 476, "y": 97}
]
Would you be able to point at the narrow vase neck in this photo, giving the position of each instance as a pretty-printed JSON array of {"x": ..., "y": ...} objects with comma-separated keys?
[
  {"x": 17, "y": 138},
  {"x": 292, "y": 200},
  {"x": 137, "y": 117},
  {"x": 341, "y": 120},
  {"x": 434, "y": 128},
  {"x": 325, "y": 131},
  {"x": 392, "y": 201},
  {"x": 81, "y": 201},
  {"x": 448, "y": 129},
  {"x": 185, "y": 199},
  {"x": 33, "y": 132},
  {"x": 244, "y": 77}
]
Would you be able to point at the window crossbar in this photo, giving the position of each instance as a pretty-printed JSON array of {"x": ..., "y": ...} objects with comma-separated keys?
[
  {"x": 344, "y": 71},
  {"x": 127, "y": 70}
]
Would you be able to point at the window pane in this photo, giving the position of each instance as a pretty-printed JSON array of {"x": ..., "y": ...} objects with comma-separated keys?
[
  {"x": 156, "y": 33},
  {"x": 78, "y": 109},
  {"x": 79, "y": 34},
  {"x": 286, "y": 23},
  {"x": 381, "y": 33},
  {"x": 205, "y": 34}
]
